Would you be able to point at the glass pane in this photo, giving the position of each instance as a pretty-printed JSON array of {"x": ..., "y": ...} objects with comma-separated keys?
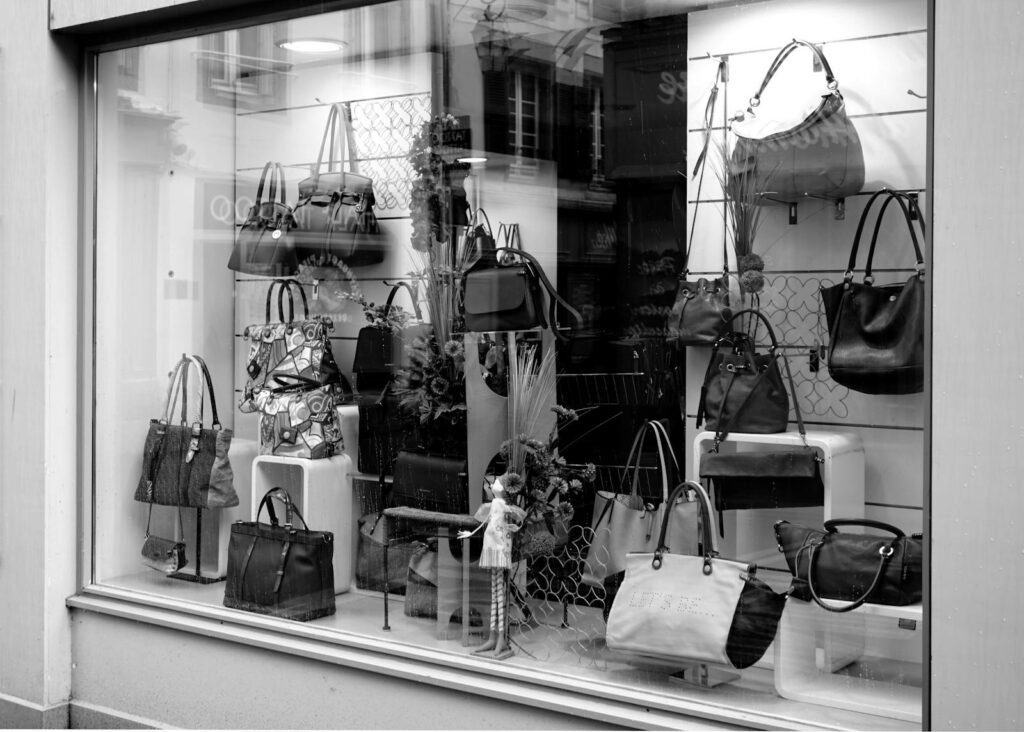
[{"x": 318, "y": 221}]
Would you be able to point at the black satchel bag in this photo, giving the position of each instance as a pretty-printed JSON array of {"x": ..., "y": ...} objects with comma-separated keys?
[
  {"x": 380, "y": 352},
  {"x": 278, "y": 570},
  {"x": 430, "y": 482},
  {"x": 264, "y": 243},
  {"x": 876, "y": 332},
  {"x": 788, "y": 159},
  {"x": 853, "y": 568},
  {"x": 742, "y": 388},
  {"x": 504, "y": 290}
]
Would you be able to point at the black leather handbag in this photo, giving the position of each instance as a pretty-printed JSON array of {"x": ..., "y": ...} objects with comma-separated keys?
[
  {"x": 264, "y": 243},
  {"x": 853, "y": 568},
  {"x": 280, "y": 570},
  {"x": 876, "y": 332},
  {"x": 742, "y": 388},
  {"x": 789, "y": 159},
  {"x": 430, "y": 482},
  {"x": 380, "y": 352}
]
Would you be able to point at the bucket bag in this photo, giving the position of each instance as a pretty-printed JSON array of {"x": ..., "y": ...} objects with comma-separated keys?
[
  {"x": 876, "y": 332},
  {"x": 792, "y": 152}
]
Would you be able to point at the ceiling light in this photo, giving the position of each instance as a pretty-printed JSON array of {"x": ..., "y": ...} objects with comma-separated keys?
[
  {"x": 312, "y": 45},
  {"x": 471, "y": 160}
]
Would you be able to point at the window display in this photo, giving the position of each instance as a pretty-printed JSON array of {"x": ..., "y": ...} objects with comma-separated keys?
[{"x": 491, "y": 288}]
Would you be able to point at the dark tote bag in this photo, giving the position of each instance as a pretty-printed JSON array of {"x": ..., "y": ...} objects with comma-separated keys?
[
  {"x": 264, "y": 243},
  {"x": 876, "y": 332},
  {"x": 380, "y": 352},
  {"x": 280, "y": 570}
]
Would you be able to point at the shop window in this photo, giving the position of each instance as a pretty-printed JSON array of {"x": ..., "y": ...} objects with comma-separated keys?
[{"x": 225, "y": 228}]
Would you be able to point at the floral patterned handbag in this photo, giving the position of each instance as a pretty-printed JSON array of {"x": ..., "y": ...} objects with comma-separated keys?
[{"x": 299, "y": 418}]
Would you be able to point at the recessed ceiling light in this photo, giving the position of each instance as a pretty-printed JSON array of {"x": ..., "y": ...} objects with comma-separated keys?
[
  {"x": 312, "y": 45},
  {"x": 470, "y": 160}
]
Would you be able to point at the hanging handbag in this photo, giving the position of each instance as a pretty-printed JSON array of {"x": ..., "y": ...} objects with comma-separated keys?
[
  {"x": 187, "y": 464},
  {"x": 264, "y": 243},
  {"x": 780, "y": 478},
  {"x": 792, "y": 151},
  {"x": 504, "y": 291},
  {"x": 701, "y": 308},
  {"x": 852, "y": 568},
  {"x": 290, "y": 347},
  {"x": 695, "y": 607},
  {"x": 335, "y": 223},
  {"x": 742, "y": 388},
  {"x": 876, "y": 332},
  {"x": 299, "y": 418},
  {"x": 625, "y": 522},
  {"x": 380, "y": 351},
  {"x": 430, "y": 482},
  {"x": 284, "y": 571}
]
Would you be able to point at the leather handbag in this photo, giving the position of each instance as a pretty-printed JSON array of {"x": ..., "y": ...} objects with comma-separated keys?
[
  {"x": 187, "y": 464},
  {"x": 701, "y": 307},
  {"x": 263, "y": 245},
  {"x": 853, "y": 568},
  {"x": 743, "y": 388},
  {"x": 700, "y": 607},
  {"x": 163, "y": 555},
  {"x": 505, "y": 291},
  {"x": 299, "y": 418},
  {"x": 430, "y": 482},
  {"x": 290, "y": 347},
  {"x": 384, "y": 431},
  {"x": 876, "y": 332},
  {"x": 380, "y": 351},
  {"x": 791, "y": 150},
  {"x": 780, "y": 478},
  {"x": 625, "y": 522},
  {"x": 280, "y": 570},
  {"x": 336, "y": 226}
]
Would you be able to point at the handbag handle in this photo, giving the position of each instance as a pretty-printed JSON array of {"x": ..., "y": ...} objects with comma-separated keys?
[
  {"x": 337, "y": 130},
  {"x": 788, "y": 49},
  {"x": 273, "y": 172},
  {"x": 663, "y": 445},
  {"x": 832, "y": 525},
  {"x": 290, "y": 508},
  {"x": 412, "y": 296},
  {"x": 294, "y": 384},
  {"x": 890, "y": 195},
  {"x": 555, "y": 298},
  {"x": 283, "y": 285},
  {"x": 885, "y": 554},
  {"x": 899, "y": 197},
  {"x": 708, "y": 538}
]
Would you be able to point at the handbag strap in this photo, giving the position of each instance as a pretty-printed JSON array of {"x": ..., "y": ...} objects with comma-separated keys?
[
  {"x": 283, "y": 286},
  {"x": 832, "y": 526},
  {"x": 295, "y": 384},
  {"x": 555, "y": 298},
  {"x": 279, "y": 180},
  {"x": 788, "y": 49},
  {"x": 890, "y": 196},
  {"x": 412, "y": 296},
  {"x": 708, "y": 540},
  {"x": 899, "y": 197},
  {"x": 268, "y": 171},
  {"x": 636, "y": 453},
  {"x": 289, "y": 506},
  {"x": 337, "y": 131},
  {"x": 884, "y": 556}
]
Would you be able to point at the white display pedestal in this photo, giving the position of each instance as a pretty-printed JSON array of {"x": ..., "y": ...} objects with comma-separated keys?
[
  {"x": 323, "y": 494},
  {"x": 748, "y": 534},
  {"x": 812, "y": 642}
]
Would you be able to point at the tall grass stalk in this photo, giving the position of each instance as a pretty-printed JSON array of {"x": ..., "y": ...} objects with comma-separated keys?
[{"x": 531, "y": 393}]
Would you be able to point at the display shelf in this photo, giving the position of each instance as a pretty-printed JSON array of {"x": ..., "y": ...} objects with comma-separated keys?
[
  {"x": 830, "y": 658},
  {"x": 323, "y": 494},
  {"x": 751, "y": 537}
]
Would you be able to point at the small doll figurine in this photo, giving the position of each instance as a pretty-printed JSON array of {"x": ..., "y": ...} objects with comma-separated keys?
[{"x": 500, "y": 521}]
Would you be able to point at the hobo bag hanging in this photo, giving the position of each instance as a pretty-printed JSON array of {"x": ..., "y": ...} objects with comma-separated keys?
[
  {"x": 335, "y": 223},
  {"x": 700, "y": 608},
  {"x": 187, "y": 464},
  {"x": 876, "y": 332},
  {"x": 264, "y": 244},
  {"x": 793, "y": 150},
  {"x": 781, "y": 478},
  {"x": 743, "y": 388},
  {"x": 701, "y": 307},
  {"x": 624, "y": 522},
  {"x": 285, "y": 571},
  {"x": 853, "y": 568}
]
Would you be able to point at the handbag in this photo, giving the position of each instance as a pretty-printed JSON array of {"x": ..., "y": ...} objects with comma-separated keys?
[
  {"x": 742, "y": 388},
  {"x": 370, "y": 556},
  {"x": 701, "y": 308},
  {"x": 187, "y": 464},
  {"x": 335, "y": 223},
  {"x": 384, "y": 431},
  {"x": 783, "y": 478},
  {"x": 852, "y": 568},
  {"x": 163, "y": 555},
  {"x": 421, "y": 581},
  {"x": 430, "y": 482},
  {"x": 696, "y": 607},
  {"x": 624, "y": 522},
  {"x": 285, "y": 571},
  {"x": 290, "y": 347},
  {"x": 876, "y": 332},
  {"x": 264, "y": 243},
  {"x": 790, "y": 151},
  {"x": 299, "y": 418},
  {"x": 380, "y": 351},
  {"x": 504, "y": 291}
]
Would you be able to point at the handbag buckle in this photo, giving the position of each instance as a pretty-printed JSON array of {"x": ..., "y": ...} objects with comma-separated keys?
[
  {"x": 193, "y": 444},
  {"x": 886, "y": 551}
]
